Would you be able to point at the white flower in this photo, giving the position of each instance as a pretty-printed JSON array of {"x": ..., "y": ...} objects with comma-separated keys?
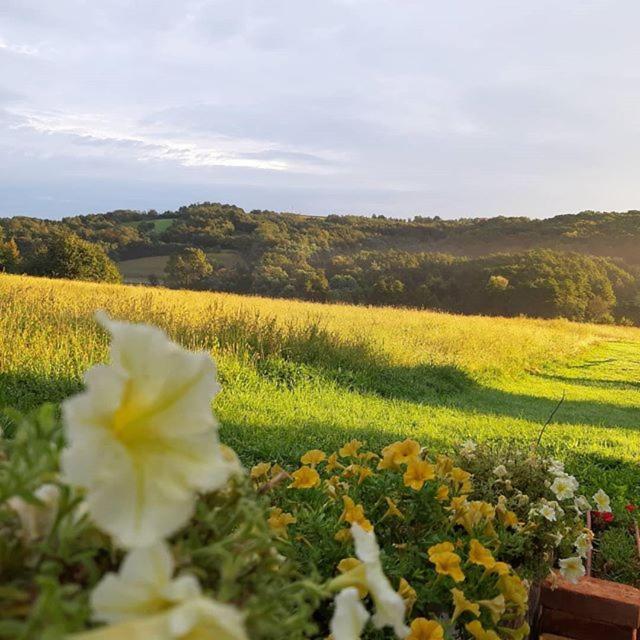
[
  {"x": 582, "y": 504},
  {"x": 500, "y": 471},
  {"x": 563, "y": 487},
  {"x": 37, "y": 519},
  {"x": 571, "y": 569},
  {"x": 143, "y": 586},
  {"x": 557, "y": 538},
  {"x": 142, "y": 437},
  {"x": 548, "y": 512},
  {"x": 349, "y": 616},
  {"x": 602, "y": 501},
  {"x": 556, "y": 467},
  {"x": 390, "y": 607},
  {"x": 468, "y": 449},
  {"x": 583, "y": 544},
  {"x": 144, "y": 601}
]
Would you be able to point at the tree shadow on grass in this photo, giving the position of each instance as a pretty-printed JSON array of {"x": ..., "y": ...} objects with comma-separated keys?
[
  {"x": 602, "y": 383},
  {"x": 25, "y": 390}
]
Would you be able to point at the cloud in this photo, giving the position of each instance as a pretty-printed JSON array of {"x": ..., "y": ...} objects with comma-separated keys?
[{"x": 18, "y": 49}]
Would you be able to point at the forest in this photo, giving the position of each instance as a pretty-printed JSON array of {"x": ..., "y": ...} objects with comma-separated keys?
[{"x": 583, "y": 267}]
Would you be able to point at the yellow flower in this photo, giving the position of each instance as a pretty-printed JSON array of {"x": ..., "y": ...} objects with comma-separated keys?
[
  {"x": 392, "y": 510},
  {"x": 417, "y": 473},
  {"x": 520, "y": 633},
  {"x": 279, "y": 520},
  {"x": 357, "y": 573},
  {"x": 507, "y": 518},
  {"x": 350, "y": 449},
  {"x": 367, "y": 456},
  {"x": 475, "y": 514},
  {"x": 343, "y": 535},
  {"x": 448, "y": 564},
  {"x": 442, "y": 494},
  {"x": 501, "y": 568},
  {"x": 275, "y": 470},
  {"x": 479, "y": 554},
  {"x": 142, "y": 440},
  {"x": 461, "y": 604},
  {"x": 461, "y": 480},
  {"x": 357, "y": 470},
  {"x": 408, "y": 594},
  {"x": 496, "y": 607},
  {"x": 444, "y": 464},
  {"x": 423, "y": 629},
  {"x": 442, "y": 547},
  {"x": 144, "y": 601},
  {"x": 354, "y": 514},
  {"x": 399, "y": 453},
  {"x": 332, "y": 463},
  {"x": 313, "y": 457},
  {"x": 514, "y": 591},
  {"x": 305, "y": 478},
  {"x": 479, "y": 633},
  {"x": 259, "y": 470}
]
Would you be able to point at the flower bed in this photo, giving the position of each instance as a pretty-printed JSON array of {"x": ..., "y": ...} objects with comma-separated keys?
[{"x": 129, "y": 519}]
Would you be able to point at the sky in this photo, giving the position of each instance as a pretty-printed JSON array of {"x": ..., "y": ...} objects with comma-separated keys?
[{"x": 398, "y": 107}]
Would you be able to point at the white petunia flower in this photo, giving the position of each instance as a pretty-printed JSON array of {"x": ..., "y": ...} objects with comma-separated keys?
[
  {"x": 557, "y": 538},
  {"x": 142, "y": 437},
  {"x": 390, "y": 607},
  {"x": 583, "y": 544},
  {"x": 349, "y": 616},
  {"x": 556, "y": 467},
  {"x": 602, "y": 501},
  {"x": 468, "y": 449},
  {"x": 37, "y": 519},
  {"x": 571, "y": 569},
  {"x": 144, "y": 601},
  {"x": 563, "y": 487},
  {"x": 548, "y": 512},
  {"x": 144, "y": 585},
  {"x": 500, "y": 471},
  {"x": 582, "y": 504}
]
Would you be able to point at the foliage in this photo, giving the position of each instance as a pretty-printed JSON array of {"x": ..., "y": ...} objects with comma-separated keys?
[
  {"x": 187, "y": 269},
  {"x": 67, "y": 256}
]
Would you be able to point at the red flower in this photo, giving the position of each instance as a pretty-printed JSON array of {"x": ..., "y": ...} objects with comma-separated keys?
[
  {"x": 605, "y": 516},
  {"x": 631, "y": 508}
]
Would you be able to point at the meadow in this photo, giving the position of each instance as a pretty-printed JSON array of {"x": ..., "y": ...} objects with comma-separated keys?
[{"x": 297, "y": 375}]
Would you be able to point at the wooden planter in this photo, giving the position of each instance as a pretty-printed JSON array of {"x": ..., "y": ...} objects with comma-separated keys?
[{"x": 592, "y": 609}]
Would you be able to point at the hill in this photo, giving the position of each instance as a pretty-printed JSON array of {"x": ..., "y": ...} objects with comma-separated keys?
[{"x": 584, "y": 267}]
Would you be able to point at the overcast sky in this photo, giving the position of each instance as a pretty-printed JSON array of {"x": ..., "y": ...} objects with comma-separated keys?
[{"x": 474, "y": 107}]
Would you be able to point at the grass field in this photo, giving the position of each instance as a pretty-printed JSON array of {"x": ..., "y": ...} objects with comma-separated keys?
[
  {"x": 297, "y": 375},
  {"x": 139, "y": 270}
]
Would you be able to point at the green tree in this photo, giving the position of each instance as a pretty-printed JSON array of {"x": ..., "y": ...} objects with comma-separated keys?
[
  {"x": 187, "y": 269},
  {"x": 68, "y": 256},
  {"x": 9, "y": 254}
]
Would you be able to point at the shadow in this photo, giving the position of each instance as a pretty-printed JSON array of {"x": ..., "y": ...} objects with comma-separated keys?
[
  {"x": 24, "y": 391},
  {"x": 591, "y": 363},
  {"x": 592, "y": 382}
]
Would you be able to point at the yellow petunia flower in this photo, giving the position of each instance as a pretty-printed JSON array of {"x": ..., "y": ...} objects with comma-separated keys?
[
  {"x": 279, "y": 520},
  {"x": 332, "y": 463},
  {"x": 514, "y": 591},
  {"x": 343, "y": 535},
  {"x": 520, "y": 633},
  {"x": 479, "y": 554},
  {"x": 313, "y": 457},
  {"x": 305, "y": 478},
  {"x": 496, "y": 607},
  {"x": 448, "y": 564},
  {"x": 408, "y": 594},
  {"x": 461, "y": 480},
  {"x": 442, "y": 547},
  {"x": 350, "y": 449},
  {"x": 356, "y": 569},
  {"x": 399, "y": 453},
  {"x": 461, "y": 604},
  {"x": 500, "y": 568},
  {"x": 442, "y": 494},
  {"x": 475, "y": 514},
  {"x": 444, "y": 465},
  {"x": 142, "y": 440},
  {"x": 423, "y": 629},
  {"x": 357, "y": 470},
  {"x": 479, "y": 632},
  {"x": 393, "y": 510},
  {"x": 417, "y": 473},
  {"x": 260, "y": 470},
  {"x": 354, "y": 514}
]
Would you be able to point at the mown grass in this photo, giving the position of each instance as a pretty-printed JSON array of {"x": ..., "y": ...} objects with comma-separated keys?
[{"x": 299, "y": 375}]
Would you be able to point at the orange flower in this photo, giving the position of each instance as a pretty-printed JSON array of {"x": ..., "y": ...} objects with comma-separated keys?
[
  {"x": 350, "y": 449},
  {"x": 479, "y": 554},
  {"x": 259, "y": 470},
  {"x": 305, "y": 478},
  {"x": 399, "y": 453},
  {"x": 408, "y": 594},
  {"x": 279, "y": 520},
  {"x": 417, "y": 473},
  {"x": 354, "y": 514},
  {"x": 448, "y": 564},
  {"x": 423, "y": 629},
  {"x": 313, "y": 457}
]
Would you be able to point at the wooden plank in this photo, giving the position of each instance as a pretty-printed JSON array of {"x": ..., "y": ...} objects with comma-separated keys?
[
  {"x": 562, "y": 623},
  {"x": 594, "y": 599}
]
